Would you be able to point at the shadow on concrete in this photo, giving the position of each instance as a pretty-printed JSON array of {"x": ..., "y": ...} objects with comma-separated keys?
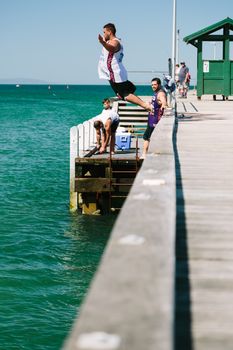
[
  {"x": 183, "y": 319},
  {"x": 188, "y": 117}
]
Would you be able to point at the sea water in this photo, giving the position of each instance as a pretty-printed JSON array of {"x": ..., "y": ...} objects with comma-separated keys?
[{"x": 48, "y": 256}]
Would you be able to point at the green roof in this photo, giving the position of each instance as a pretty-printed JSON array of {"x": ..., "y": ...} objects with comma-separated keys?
[{"x": 208, "y": 30}]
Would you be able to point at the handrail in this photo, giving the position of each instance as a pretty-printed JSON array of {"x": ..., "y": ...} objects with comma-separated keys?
[{"x": 130, "y": 304}]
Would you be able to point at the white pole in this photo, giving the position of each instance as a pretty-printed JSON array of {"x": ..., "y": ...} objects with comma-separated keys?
[
  {"x": 73, "y": 154},
  {"x": 174, "y": 40},
  {"x": 177, "y": 46}
]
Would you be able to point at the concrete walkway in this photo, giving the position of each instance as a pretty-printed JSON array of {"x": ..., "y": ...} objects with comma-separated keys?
[{"x": 204, "y": 243}]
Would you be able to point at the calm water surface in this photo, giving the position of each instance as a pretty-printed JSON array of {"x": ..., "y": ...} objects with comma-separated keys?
[{"x": 47, "y": 255}]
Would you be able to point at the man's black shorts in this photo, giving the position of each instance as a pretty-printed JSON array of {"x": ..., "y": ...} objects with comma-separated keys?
[
  {"x": 148, "y": 132},
  {"x": 123, "y": 89},
  {"x": 114, "y": 125}
]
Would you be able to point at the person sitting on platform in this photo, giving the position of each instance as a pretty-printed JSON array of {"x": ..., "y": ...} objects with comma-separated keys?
[{"x": 106, "y": 125}]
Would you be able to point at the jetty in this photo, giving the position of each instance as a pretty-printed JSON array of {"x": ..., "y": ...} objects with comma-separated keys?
[
  {"x": 166, "y": 277},
  {"x": 99, "y": 183}
]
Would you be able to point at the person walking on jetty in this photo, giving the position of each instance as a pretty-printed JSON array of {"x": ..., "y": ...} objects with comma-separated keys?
[
  {"x": 111, "y": 68},
  {"x": 106, "y": 125},
  {"x": 177, "y": 70},
  {"x": 184, "y": 79},
  {"x": 159, "y": 103}
]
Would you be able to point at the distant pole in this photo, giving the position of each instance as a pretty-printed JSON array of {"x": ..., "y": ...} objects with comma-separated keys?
[
  {"x": 170, "y": 66},
  {"x": 177, "y": 46},
  {"x": 174, "y": 40}
]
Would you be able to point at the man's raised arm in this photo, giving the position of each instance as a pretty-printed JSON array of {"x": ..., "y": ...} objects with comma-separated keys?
[{"x": 112, "y": 46}]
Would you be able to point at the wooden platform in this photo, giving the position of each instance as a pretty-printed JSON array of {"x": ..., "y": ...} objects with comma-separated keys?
[
  {"x": 103, "y": 181},
  {"x": 119, "y": 154},
  {"x": 204, "y": 248},
  {"x": 99, "y": 183}
]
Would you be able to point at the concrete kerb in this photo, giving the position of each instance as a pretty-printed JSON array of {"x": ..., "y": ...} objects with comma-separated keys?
[{"x": 130, "y": 304}]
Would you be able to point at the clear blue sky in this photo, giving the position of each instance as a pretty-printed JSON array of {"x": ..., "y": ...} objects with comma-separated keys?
[{"x": 56, "y": 40}]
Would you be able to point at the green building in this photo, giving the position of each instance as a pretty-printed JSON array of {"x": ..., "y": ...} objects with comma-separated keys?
[{"x": 214, "y": 77}]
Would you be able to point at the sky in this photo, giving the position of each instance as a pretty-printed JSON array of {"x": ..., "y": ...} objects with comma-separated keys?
[{"x": 55, "y": 41}]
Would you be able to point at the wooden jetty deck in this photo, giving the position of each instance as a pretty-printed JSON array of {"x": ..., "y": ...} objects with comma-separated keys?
[
  {"x": 204, "y": 241},
  {"x": 166, "y": 278}
]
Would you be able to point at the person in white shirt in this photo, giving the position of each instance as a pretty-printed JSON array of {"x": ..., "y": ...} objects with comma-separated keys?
[
  {"x": 111, "y": 68},
  {"x": 184, "y": 79},
  {"x": 106, "y": 125}
]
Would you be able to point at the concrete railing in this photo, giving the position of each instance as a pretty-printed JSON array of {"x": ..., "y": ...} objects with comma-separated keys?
[{"x": 130, "y": 305}]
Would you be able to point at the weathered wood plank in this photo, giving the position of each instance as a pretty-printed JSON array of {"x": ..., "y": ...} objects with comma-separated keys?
[
  {"x": 134, "y": 114},
  {"x": 85, "y": 185},
  {"x": 134, "y": 118},
  {"x": 131, "y": 123},
  {"x": 93, "y": 159}
]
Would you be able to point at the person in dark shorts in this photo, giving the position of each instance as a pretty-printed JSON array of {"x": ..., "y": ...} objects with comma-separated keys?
[
  {"x": 184, "y": 79},
  {"x": 159, "y": 103},
  {"x": 111, "y": 68},
  {"x": 123, "y": 89}
]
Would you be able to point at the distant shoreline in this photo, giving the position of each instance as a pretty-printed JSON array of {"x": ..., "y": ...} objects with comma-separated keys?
[{"x": 18, "y": 85}]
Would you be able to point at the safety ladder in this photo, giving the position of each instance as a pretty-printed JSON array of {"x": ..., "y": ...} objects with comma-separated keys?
[{"x": 122, "y": 172}]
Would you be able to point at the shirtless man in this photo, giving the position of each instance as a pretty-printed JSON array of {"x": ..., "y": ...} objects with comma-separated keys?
[{"x": 111, "y": 68}]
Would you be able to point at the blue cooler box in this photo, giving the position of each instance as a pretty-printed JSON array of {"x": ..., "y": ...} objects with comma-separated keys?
[{"x": 123, "y": 141}]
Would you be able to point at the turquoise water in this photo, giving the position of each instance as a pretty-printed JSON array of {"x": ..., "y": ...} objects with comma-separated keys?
[{"x": 47, "y": 255}]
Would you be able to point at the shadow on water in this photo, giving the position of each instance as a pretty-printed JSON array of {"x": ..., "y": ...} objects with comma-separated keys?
[
  {"x": 89, "y": 235},
  {"x": 183, "y": 319}
]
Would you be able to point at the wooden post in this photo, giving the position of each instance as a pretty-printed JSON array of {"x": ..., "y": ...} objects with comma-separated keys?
[
  {"x": 200, "y": 77},
  {"x": 73, "y": 155},
  {"x": 226, "y": 64}
]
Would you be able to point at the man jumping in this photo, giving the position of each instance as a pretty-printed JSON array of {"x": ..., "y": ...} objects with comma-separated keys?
[{"x": 111, "y": 68}]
